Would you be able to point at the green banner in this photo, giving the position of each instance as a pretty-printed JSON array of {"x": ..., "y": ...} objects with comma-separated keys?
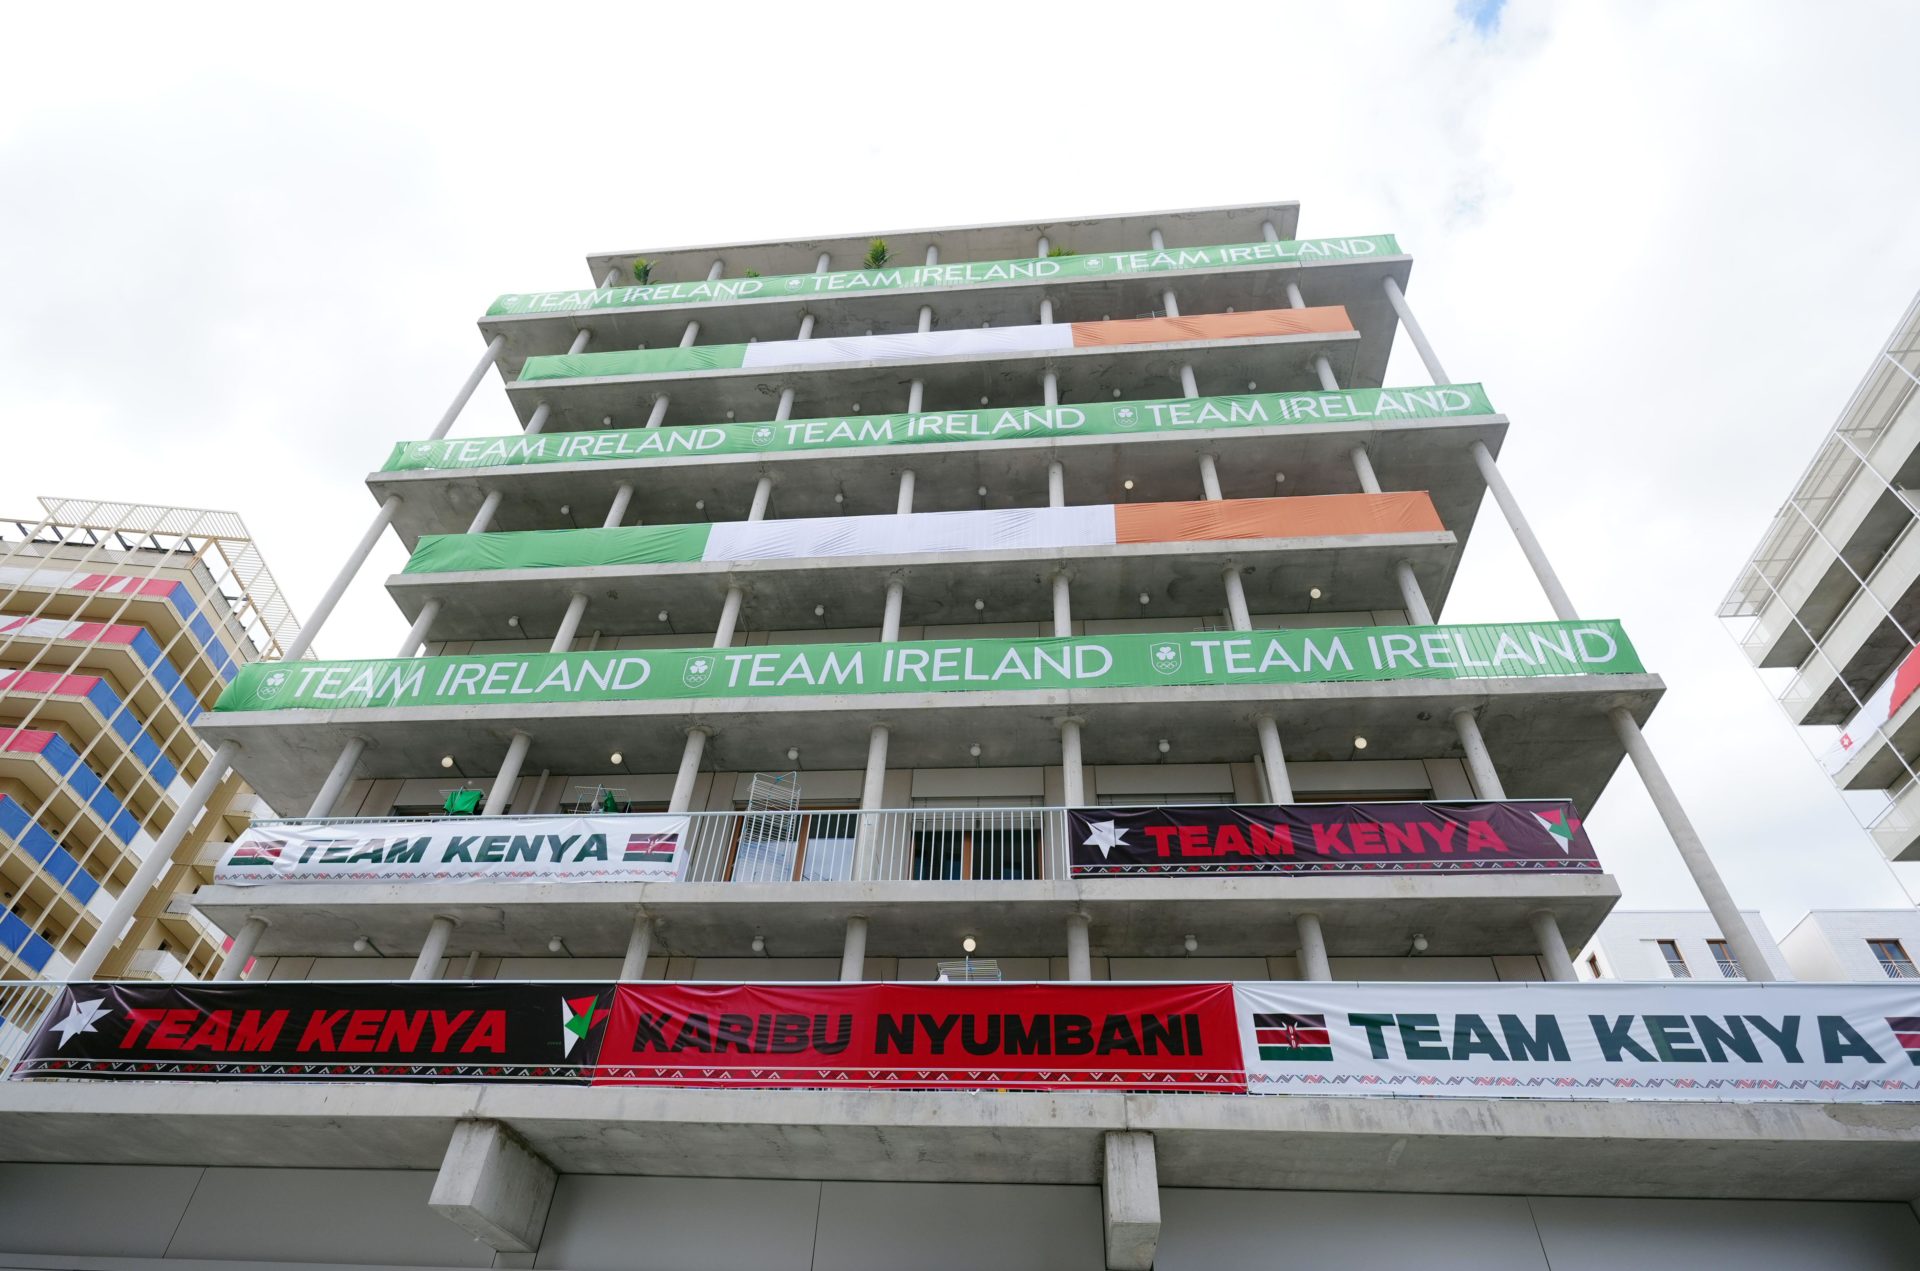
[
  {"x": 558, "y": 549},
  {"x": 1012, "y": 423},
  {"x": 1292, "y": 656},
  {"x": 1094, "y": 265}
]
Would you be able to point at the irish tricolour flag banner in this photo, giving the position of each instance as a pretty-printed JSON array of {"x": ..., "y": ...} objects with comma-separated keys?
[
  {"x": 1093, "y": 525},
  {"x": 913, "y": 345}
]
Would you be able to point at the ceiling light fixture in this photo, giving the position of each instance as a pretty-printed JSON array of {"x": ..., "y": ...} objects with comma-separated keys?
[
  {"x": 1359, "y": 743},
  {"x": 446, "y": 761},
  {"x": 616, "y": 758},
  {"x": 969, "y": 944}
]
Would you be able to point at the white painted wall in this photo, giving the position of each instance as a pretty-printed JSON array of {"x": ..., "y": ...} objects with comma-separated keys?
[
  {"x": 1831, "y": 944},
  {"x": 1627, "y": 949}
]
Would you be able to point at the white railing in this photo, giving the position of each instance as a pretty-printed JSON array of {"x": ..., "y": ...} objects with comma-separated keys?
[{"x": 23, "y": 1005}]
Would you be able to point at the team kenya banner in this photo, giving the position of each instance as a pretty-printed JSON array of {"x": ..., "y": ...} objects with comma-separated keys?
[
  {"x": 1094, "y": 265},
  {"x": 646, "y": 848},
  {"x": 1013, "y": 423},
  {"x": 1293, "y": 656},
  {"x": 1844, "y": 1043},
  {"x": 1328, "y": 838}
]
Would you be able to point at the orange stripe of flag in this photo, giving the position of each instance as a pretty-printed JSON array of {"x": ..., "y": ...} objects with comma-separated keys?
[
  {"x": 1213, "y": 326},
  {"x": 1298, "y": 516}
]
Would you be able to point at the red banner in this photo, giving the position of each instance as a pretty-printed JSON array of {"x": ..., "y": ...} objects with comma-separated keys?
[{"x": 935, "y": 1036}]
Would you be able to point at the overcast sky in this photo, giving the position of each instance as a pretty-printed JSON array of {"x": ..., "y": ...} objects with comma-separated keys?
[{"x": 244, "y": 253}]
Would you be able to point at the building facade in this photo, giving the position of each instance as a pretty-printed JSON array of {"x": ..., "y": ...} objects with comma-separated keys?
[
  {"x": 119, "y": 625},
  {"x": 1828, "y": 606},
  {"x": 1854, "y": 944},
  {"x": 1676, "y": 944},
  {"x": 940, "y": 749}
]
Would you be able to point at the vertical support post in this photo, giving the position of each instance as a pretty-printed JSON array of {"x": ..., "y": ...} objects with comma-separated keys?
[
  {"x": 1237, "y": 610},
  {"x": 484, "y": 517},
  {"x": 245, "y": 941},
  {"x": 1363, "y": 468},
  {"x": 1056, "y": 484},
  {"x": 639, "y": 944},
  {"x": 495, "y": 347},
  {"x": 502, "y": 793},
  {"x": 433, "y": 950},
  {"x": 417, "y": 633},
  {"x": 355, "y": 559},
  {"x": 1062, "y": 606},
  {"x": 1410, "y": 595},
  {"x": 762, "y": 496},
  {"x": 1523, "y": 533},
  {"x": 622, "y": 497},
  {"x": 569, "y": 623},
  {"x": 1079, "y": 947},
  {"x": 890, "y": 617},
  {"x": 1313, "y": 948},
  {"x": 337, "y": 777},
  {"x": 1279, "y": 787},
  {"x": 1486, "y": 781},
  {"x": 1130, "y": 1200},
  {"x": 853, "y": 953},
  {"x": 1435, "y": 371},
  {"x": 1210, "y": 478},
  {"x": 1073, "y": 784},
  {"x": 904, "y": 504},
  {"x": 682, "y": 797},
  {"x": 729, "y": 618},
  {"x": 1552, "y": 946},
  {"x": 866, "y": 848}
]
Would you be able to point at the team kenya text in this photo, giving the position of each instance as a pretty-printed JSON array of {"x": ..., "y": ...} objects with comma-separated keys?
[
  {"x": 1194, "y": 842},
  {"x": 344, "y": 1032}
]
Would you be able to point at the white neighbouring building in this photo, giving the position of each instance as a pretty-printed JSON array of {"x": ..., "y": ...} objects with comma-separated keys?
[
  {"x": 1674, "y": 944},
  {"x": 938, "y": 750}
]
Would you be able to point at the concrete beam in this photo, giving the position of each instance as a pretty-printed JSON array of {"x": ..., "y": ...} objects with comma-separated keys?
[
  {"x": 494, "y": 1186},
  {"x": 1130, "y": 1201}
]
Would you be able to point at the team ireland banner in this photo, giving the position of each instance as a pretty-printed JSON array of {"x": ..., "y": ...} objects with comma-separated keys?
[
  {"x": 1851, "y": 1043},
  {"x": 1012, "y": 423},
  {"x": 973, "y": 273},
  {"x": 648, "y": 848},
  {"x": 1173, "y": 660}
]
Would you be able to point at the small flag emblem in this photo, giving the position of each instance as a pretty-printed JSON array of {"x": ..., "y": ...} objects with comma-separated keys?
[
  {"x": 1560, "y": 826},
  {"x": 576, "y": 1017},
  {"x": 257, "y": 853},
  {"x": 1287, "y": 1037},
  {"x": 651, "y": 847},
  {"x": 1906, "y": 1031}
]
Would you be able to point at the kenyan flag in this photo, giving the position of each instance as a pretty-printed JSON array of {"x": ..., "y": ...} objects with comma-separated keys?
[
  {"x": 256, "y": 853},
  {"x": 1293, "y": 1037},
  {"x": 1906, "y": 1031},
  {"x": 650, "y": 847},
  {"x": 577, "y": 1015},
  {"x": 1560, "y": 825}
]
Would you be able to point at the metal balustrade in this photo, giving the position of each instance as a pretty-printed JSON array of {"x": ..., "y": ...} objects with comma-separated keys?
[{"x": 23, "y": 1005}]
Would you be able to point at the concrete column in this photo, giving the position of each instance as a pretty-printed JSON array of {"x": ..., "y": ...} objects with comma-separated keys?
[
  {"x": 682, "y": 797},
  {"x": 1693, "y": 853},
  {"x": 1062, "y": 606},
  {"x": 156, "y": 864},
  {"x": 569, "y": 623},
  {"x": 729, "y": 618},
  {"x": 1417, "y": 612},
  {"x": 244, "y": 942},
  {"x": 460, "y": 399},
  {"x": 355, "y": 559},
  {"x": 537, "y": 422},
  {"x": 904, "y": 504},
  {"x": 1271, "y": 234},
  {"x": 762, "y": 496},
  {"x": 494, "y": 1186},
  {"x": 417, "y": 633},
  {"x": 1329, "y": 383},
  {"x": 1209, "y": 478},
  {"x": 1073, "y": 784},
  {"x": 1553, "y": 947},
  {"x": 1169, "y": 304},
  {"x": 1056, "y": 484},
  {"x": 1237, "y": 599},
  {"x": 1313, "y": 948},
  {"x": 1435, "y": 371},
  {"x": 1363, "y": 468},
  {"x": 639, "y": 944},
  {"x": 502, "y": 793},
  {"x": 890, "y": 619},
  {"x": 691, "y": 334},
  {"x": 866, "y": 846},
  {"x": 1050, "y": 389},
  {"x": 853, "y": 953},
  {"x": 1130, "y": 1200},
  {"x": 1279, "y": 788},
  {"x": 484, "y": 517},
  {"x": 1189, "y": 386},
  {"x": 1486, "y": 782},
  {"x": 433, "y": 951},
  {"x": 1294, "y": 299},
  {"x": 658, "y": 413},
  {"x": 1079, "y": 947},
  {"x": 1523, "y": 533},
  {"x": 337, "y": 778},
  {"x": 622, "y": 497}
]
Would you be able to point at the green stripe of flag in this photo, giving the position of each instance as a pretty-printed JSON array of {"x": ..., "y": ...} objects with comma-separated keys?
[
  {"x": 1296, "y": 1052},
  {"x": 548, "y": 549},
  {"x": 695, "y": 357}
]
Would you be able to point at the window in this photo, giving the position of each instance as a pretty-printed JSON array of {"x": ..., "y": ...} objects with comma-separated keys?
[
  {"x": 1724, "y": 959},
  {"x": 1893, "y": 959},
  {"x": 1676, "y": 965}
]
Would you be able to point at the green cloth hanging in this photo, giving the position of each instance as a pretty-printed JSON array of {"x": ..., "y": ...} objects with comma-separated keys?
[{"x": 463, "y": 802}]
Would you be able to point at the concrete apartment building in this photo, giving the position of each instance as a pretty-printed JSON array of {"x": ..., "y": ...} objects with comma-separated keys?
[
  {"x": 1828, "y": 606},
  {"x": 938, "y": 748},
  {"x": 1862, "y": 945},
  {"x": 119, "y": 625}
]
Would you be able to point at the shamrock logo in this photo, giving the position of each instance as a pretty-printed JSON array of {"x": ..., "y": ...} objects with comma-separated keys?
[
  {"x": 1126, "y": 416},
  {"x": 273, "y": 683},
  {"x": 698, "y": 671},
  {"x": 1166, "y": 658},
  {"x": 763, "y": 436}
]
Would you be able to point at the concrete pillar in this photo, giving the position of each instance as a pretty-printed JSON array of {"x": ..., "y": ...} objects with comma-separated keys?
[
  {"x": 1189, "y": 386},
  {"x": 244, "y": 942},
  {"x": 569, "y": 624},
  {"x": 762, "y": 496},
  {"x": 658, "y": 413},
  {"x": 1050, "y": 389},
  {"x": 622, "y": 497},
  {"x": 729, "y": 618},
  {"x": 1209, "y": 478},
  {"x": 1271, "y": 234},
  {"x": 1079, "y": 947},
  {"x": 1410, "y": 595},
  {"x": 537, "y": 422},
  {"x": 1363, "y": 468},
  {"x": 158, "y": 859},
  {"x": 904, "y": 505},
  {"x": 1552, "y": 946},
  {"x": 1324, "y": 369},
  {"x": 1056, "y": 484},
  {"x": 1237, "y": 610},
  {"x": 890, "y": 618},
  {"x": 639, "y": 944},
  {"x": 337, "y": 778},
  {"x": 1279, "y": 788},
  {"x": 853, "y": 953},
  {"x": 1693, "y": 853},
  {"x": 487, "y": 359},
  {"x": 1294, "y": 299},
  {"x": 493, "y": 1186},
  {"x": 1073, "y": 784},
  {"x": 691, "y": 334},
  {"x": 1435, "y": 371},
  {"x": 417, "y": 633},
  {"x": 1062, "y": 606},
  {"x": 355, "y": 559},
  {"x": 866, "y": 846},
  {"x": 1313, "y": 948},
  {"x": 1130, "y": 1200},
  {"x": 433, "y": 951},
  {"x": 484, "y": 517},
  {"x": 1486, "y": 782},
  {"x": 502, "y": 793},
  {"x": 1523, "y": 533},
  {"x": 682, "y": 797}
]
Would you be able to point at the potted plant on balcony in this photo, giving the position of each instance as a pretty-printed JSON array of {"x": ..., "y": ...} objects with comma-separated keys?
[
  {"x": 642, "y": 271},
  {"x": 877, "y": 255}
]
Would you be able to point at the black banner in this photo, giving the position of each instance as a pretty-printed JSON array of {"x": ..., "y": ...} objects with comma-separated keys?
[
  {"x": 376, "y": 1031},
  {"x": 1321, "y": 838}
]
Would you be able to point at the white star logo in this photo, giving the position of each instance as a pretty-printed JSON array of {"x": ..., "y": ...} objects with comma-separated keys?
[
  {"x": 1106, "y": 836},
  {"x": 80, "y": 1019}
]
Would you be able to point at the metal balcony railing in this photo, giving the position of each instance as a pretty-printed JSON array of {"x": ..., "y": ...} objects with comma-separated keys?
[{"x": 23, "y": 1005}]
